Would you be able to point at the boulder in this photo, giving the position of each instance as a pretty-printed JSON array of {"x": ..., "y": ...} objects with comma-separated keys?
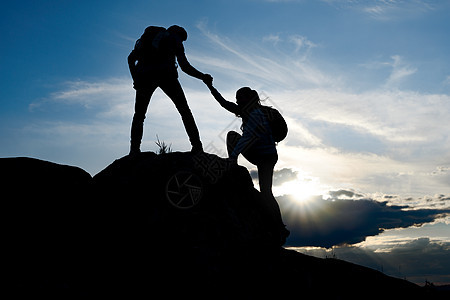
[{"x": 174, "y": 225}]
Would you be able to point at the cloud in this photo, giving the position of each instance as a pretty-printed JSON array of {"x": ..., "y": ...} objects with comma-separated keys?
[
  {"x": 393, "y": 115},
  {"x": 279, "y": 176},
  {"x": 381, "y": 136},
  {"x": 387, "y": 10},
  {"x": 87, "y": 123},
  {"x": 447, "y": 80},
  {"x": 229, "y": 47},
  {"x": 299, "y": 134},
  {"x": 103, "y": 96},
  {"x": 400, "y": 71},
  {"x": 349, "y": 194},
  {"x": 366, "y": 172},
  {"x": 308, "y": 97},
  {"x": 379, "y": 140},
  {"x": 284, "y": 175},
  {"x": 416, "y": 260},
  {"x": 286, "y": 65},
  {"x": 301, "y": 42},
  {"x": 437, "y": 201},
  {"x": 272, "y": 38},
  {"x": 392, "y": 139},
  {"x": 326, "y": 223}
]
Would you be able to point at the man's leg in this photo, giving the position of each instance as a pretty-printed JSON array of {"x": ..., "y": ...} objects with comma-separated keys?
[
  {"x": 140, "y": 109},
  {"x": 173, "y": 89}
]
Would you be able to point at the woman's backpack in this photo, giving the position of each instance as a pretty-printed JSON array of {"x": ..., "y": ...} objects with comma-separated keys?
[{"x": 276, "y": 123}]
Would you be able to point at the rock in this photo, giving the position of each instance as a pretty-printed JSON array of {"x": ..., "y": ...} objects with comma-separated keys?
[
  {"x": 214, "y": 194},
  {"x": 42, "y": 209},
  {"x": 171, "y": 225},
  {"x": 200, "y": 239}
]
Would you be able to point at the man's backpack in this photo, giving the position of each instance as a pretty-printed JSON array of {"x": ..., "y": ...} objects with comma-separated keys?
[
  {"x": 150, "y": 42},
  {"x": 276, "y": 123}
]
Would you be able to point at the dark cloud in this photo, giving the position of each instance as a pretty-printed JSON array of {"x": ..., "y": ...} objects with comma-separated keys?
[
  {"x": 283, "y": 175},
  {"x": 443, "y": 198},
  {"x": 416, "y": 260},
  {"x": 279, "y": 176},
  {"x": 346, "y": 193},
  {"x": 438, "y": 201},
  {"x": 326, "y": 223}
]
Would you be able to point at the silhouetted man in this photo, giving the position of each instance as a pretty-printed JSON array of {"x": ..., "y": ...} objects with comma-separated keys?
[{"x": 155, "y": 54}]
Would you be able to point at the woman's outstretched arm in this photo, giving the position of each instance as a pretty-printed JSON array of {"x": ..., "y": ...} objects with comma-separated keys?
[{"x": 230, "y": 106}]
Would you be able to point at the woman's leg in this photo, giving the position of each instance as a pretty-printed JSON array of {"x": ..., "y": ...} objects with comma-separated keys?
[
  {"x": 265, "y": 175},
  {"x": 232, "y": 140}
]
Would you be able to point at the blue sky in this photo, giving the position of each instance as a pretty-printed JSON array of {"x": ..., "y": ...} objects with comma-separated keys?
[{"x": 364, "y": 86}]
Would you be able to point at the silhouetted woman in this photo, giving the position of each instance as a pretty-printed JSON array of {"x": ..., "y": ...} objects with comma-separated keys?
[{"x": 257, "y": 145}]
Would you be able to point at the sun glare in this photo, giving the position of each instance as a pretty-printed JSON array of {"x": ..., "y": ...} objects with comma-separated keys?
[{"x": 301, "y": 190}]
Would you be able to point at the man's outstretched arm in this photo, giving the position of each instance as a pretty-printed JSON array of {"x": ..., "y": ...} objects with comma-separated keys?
[{"x": 189, "y": 69}]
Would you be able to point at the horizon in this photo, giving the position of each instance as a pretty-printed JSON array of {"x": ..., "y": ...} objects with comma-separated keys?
[{"x": 363, "y": 85}]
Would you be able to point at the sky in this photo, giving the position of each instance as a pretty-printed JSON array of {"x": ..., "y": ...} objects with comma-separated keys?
[{"x": 363, "y": 85}]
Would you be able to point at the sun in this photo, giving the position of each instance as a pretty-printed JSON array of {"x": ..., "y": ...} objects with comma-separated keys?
[{"x": 301, "y": 190}]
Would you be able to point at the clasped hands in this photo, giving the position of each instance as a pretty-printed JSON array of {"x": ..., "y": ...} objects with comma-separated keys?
[{"x": 207, "y": 79}]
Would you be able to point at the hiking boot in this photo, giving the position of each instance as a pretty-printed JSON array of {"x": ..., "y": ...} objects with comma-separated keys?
[
  {"x": 196, "y": 149},
  {"x": 284, "y": 233},
  {"x": 134, "y": 152}
]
